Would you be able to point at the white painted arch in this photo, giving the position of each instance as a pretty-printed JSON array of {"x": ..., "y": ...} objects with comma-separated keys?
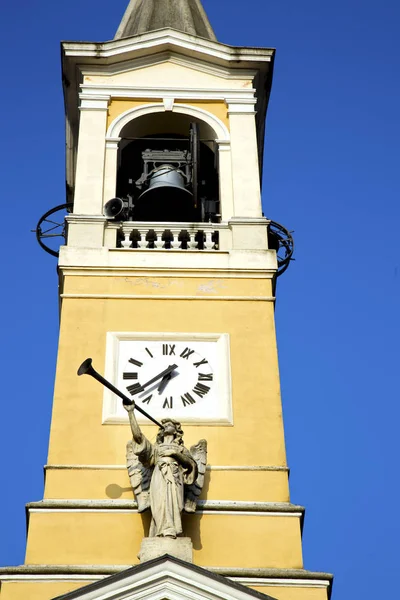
[
  {"x": 222, "y": 138},
  {"x": 220, "y": 130}
]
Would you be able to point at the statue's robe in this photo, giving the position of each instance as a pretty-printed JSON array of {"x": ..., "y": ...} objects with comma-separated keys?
[{"x": 166, "y": 487}]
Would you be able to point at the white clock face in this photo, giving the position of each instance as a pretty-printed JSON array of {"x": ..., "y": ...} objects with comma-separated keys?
[
  {"x": 181, "y": 375},
  {"x": 164, "y": 375}
]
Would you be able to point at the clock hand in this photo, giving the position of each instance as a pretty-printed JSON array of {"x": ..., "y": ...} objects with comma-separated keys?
[
  {"x": 159, "y": 376},
  {"x": 163, "y": 383}
]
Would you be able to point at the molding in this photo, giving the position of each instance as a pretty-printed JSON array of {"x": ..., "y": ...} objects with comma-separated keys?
[
  {"x": 150, "y": 60},
  {"x": 94, "y": 101},
  {"x": 171, "y": 261},
  {"x": 233, "y": 96},
  {"x": 153, "y": 42},
  {"x": 113, "y": 144},
  {"x": 219, "y": 128},
  {"x": 168, "y": 297},
  {"x": 234, "y": 573},
  {"x": 139, "y": 272},
  {"x": 227, "y": 507},
  {"x": 208, "y": 468},
  {"x": 273, "y": 582},
  {"x": 77, "y": 218}
]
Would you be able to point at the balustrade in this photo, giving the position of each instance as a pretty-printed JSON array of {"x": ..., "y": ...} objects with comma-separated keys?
[{"x": 169, "y": 236}]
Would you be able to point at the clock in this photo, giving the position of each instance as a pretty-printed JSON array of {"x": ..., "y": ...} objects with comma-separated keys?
[{"x": 179, "y": 375}]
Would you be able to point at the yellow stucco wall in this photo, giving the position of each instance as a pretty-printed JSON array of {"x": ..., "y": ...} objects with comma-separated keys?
[
  {"x": 292, "y": 593},
  {"x": 77, "y": 433},
  {"x": 104, "y": 537},
  {"x": 108, "y": 484},
  {"x": 118, "y": 106},
  {"x": 39, "y": 590}
]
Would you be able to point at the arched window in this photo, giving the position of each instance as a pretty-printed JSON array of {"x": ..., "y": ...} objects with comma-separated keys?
[{"x": 168, "y": 169}]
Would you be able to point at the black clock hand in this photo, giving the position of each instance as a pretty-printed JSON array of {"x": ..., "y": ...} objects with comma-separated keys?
[
  {"x": 163, "y": 383},
  {"x": 159, "y": 376}
]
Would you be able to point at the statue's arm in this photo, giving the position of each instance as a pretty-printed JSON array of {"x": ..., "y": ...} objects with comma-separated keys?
[{"x": 136, "y": 431}]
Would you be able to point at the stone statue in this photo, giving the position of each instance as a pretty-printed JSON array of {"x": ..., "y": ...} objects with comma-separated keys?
[{"x": 165, "y": 476}]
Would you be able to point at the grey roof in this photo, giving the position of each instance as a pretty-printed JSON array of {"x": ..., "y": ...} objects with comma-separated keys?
[{"x": 143, "y": 16}]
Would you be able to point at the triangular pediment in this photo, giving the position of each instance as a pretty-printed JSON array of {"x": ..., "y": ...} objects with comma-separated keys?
[
  {"x": 165, "y": 578},
  {"x": 169, "y": 70}
]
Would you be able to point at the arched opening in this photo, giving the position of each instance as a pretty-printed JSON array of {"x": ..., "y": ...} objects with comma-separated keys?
[{"x": 167, "y": 169}]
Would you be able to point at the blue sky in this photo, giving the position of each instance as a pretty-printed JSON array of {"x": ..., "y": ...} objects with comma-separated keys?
[{"x": 331, "y": 175}]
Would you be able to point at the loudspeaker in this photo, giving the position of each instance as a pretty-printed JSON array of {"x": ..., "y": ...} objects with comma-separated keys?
[{"x": 114, "y": 208}]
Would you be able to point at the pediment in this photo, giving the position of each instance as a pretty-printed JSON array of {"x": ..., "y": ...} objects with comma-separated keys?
[
  {"x": 165, "y": 578},
  {"x": 169, "y": 70}
]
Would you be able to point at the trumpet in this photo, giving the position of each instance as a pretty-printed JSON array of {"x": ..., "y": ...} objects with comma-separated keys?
[{"x": 86, "y": 368}]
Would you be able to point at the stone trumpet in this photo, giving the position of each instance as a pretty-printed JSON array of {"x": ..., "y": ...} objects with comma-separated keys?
[{"x": 86, "y": 368}]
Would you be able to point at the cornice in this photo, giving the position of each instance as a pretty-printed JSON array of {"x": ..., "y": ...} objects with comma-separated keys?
[{"x": 164, "y": 39}]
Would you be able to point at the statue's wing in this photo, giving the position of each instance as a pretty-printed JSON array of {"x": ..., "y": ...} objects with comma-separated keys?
[
  {"x": 193, "y": 491},
  {"x": 140, "y": 478}
]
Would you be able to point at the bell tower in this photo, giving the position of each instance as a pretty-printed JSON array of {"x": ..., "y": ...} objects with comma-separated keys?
[{"x": 168, "y": 262}]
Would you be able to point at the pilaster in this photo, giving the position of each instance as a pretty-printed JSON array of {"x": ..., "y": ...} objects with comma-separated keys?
[
  {"x": 245, "y": 169},
  {"x": 91, "y": 151}
]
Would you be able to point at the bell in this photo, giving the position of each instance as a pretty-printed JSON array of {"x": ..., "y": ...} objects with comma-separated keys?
[
  {"x": 166, "y": 199},
  {"x": 166, "y": 176}
]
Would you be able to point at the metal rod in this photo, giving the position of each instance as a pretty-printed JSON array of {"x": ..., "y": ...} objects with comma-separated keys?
[{"x": 86, "y": 368}]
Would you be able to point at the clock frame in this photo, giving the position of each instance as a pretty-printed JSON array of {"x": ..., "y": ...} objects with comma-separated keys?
[{"x": 199, "y": 391}]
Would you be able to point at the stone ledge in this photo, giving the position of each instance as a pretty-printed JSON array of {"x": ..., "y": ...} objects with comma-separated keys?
[
  {"x": 263, "y": 573},
  {"x": 210, "y": 505}
]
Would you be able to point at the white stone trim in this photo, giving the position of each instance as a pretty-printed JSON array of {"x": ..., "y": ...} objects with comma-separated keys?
[
  {"x": 58, "y": 578},
  {"x": 169, "y": 297},
  {"x": 247, "y": 581},
  {"x": 228, "y": 95},
  {"x": 149, "y": 60},
  {"x": 115, "y": 128},
  {"x": 112, "y": 143},
  {"x": 200, "y": 47},
  {"x": 130, "y": 511},
  {"x": 94, "y": 102},
  {"x": 168, "y": 103},
  {"x": 139, "y": 272},
  {"x": 208, "y": 468},
  {"x": 275, "y": 582}
]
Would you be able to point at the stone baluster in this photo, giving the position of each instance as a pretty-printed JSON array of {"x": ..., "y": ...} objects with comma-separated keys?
[
  {"x": 192, "y": 244},
  {"x": 175, "y": 243},
  {"x": 208, "y": 243},
  {"x": 158, "y": 241},
  {"x": 125, "y": 242}
]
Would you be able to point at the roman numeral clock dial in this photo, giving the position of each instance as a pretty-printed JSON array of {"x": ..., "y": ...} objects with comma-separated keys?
[
  {"x": 186, "y": 379},
  {"x": 180, "y": 387}
]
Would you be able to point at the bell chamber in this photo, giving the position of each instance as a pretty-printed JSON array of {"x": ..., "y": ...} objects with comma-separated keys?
[{"x": 164, "y": 175}]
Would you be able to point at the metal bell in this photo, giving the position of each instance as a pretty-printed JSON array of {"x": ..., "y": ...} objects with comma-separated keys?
[{"x": 166, "y": 176}]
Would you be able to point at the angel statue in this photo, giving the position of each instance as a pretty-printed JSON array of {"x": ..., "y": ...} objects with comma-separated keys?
[{"x": 165, "y": 476}]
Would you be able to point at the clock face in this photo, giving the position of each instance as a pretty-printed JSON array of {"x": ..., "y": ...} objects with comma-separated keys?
[
  {"x": 183, "y": 376},
  {"x": 164, "y": 375}
]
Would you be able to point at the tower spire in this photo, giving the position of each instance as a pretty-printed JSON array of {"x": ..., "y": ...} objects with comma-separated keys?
[{"x": 142, "y": 16}]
